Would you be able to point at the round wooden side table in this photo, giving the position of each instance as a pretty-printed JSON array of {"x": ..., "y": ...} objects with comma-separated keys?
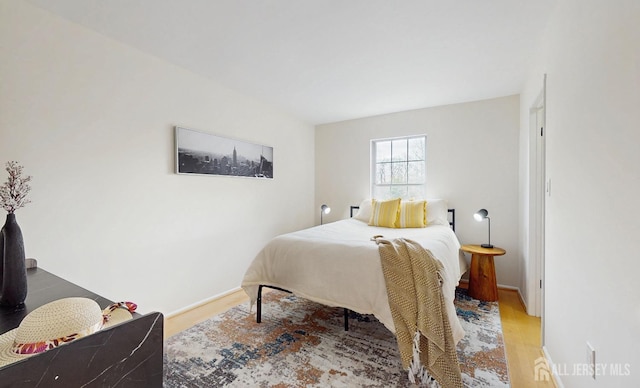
[{"x": 482, "y": 275}]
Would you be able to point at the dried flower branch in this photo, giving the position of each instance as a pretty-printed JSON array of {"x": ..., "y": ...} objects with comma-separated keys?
[{"x": 13, "y": 194}]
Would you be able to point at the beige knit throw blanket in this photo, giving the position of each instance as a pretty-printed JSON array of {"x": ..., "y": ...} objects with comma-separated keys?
[{"x": 423, "y": 330}]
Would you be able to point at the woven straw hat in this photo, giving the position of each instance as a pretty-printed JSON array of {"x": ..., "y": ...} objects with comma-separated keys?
[{"x": 57, "y": 323}]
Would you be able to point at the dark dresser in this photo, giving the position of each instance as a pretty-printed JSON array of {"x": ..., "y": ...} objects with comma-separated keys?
[{"x": 129, "y": 354}]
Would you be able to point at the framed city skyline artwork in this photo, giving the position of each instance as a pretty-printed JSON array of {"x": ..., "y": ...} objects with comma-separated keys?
[{"x": 206, "y": 154}]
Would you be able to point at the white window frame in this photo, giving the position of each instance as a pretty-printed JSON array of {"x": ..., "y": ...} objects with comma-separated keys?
[{"x": 419, "y": 188}]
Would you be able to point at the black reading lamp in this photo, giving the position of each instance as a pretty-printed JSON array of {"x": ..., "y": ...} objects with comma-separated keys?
[
  {"x": 324, "y": 209},
  {"x": 479, "y": 216}
]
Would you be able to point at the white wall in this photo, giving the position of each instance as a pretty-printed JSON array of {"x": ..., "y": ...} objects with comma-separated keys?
[
  {"x": 92, "y": 121},
  {"x": 591, "y": 54},
  {"x": 472, "y": 161}
]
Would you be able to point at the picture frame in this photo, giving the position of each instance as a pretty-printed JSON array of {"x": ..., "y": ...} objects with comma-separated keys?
[{"x": 203, "y": 153}]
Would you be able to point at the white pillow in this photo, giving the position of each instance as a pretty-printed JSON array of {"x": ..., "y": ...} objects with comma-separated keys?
[
  {"x": 437, "y": 212},
  {"x": 364, "y": 213}
]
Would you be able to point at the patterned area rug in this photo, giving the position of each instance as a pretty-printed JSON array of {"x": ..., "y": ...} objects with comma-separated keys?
[{"x": 303, "y": 344}]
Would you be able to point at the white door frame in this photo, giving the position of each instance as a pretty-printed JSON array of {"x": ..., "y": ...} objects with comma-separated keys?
[{"x": 537, "y": 189}]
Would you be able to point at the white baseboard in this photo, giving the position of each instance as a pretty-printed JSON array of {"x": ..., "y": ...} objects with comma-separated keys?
[
  {"x": 556, "y": 377},
  {"x": 509, "y": 287},
  {"x": 201, "y": 303}
]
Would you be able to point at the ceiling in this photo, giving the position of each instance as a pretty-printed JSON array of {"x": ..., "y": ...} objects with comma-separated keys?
[{"x": 332, "y": 60}]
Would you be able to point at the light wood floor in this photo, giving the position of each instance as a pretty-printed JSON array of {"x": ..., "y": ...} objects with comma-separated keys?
[
  {"x": 522, "y": 340},
  {"x": 521, "y": 332}
]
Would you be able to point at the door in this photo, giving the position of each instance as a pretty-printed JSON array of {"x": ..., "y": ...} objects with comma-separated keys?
[{"x": 539, "y": 188}]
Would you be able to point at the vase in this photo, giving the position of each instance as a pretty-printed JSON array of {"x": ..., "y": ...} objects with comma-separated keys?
[
  {"x": 1, "y": 258},
  {"x": 14, "y": 271}
]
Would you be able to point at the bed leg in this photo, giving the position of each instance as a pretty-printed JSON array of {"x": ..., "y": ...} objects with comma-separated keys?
[
  {"x": 259, "y": 305},
  {"x": 346, "y": 319}
]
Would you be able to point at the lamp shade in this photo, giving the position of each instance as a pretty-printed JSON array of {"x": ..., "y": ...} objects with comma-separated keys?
[{"x": 481, "y": 215}]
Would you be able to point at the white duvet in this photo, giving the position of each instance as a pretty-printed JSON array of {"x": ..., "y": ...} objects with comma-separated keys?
[{"x": 338, "y": 264}]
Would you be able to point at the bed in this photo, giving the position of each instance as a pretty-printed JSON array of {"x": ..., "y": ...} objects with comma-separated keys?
[{"x": 338, "y": 264}]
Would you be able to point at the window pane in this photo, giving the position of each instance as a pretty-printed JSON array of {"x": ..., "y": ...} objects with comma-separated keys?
[
  {"x": 399, "y": 168},
  {"x": 399, "y": 191},
  {"x": 383, "y": 173},
  {"x": 383, "y": 151},
  {"x": 415, "y": 173},
  {"x": 416, "y": 192},
  {"x": 381, "y": 192},
  {"x": 399, "y": 173},
  {"x": 416, "y": 149},
  {"x": 399, "y": 150}
]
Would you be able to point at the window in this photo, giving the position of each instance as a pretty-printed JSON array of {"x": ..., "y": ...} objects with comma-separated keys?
[{"x": 398, "y": 167}]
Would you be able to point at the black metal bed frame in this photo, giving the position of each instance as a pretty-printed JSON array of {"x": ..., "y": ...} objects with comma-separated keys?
[
  {"x": 259, "y": 305},
  {"x": 452, "y": 223}
]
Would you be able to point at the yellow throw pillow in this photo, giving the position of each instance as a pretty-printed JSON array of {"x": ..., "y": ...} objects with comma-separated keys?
[
  {"x": 413, "y": 214},
  {"x": 385, "y": 213}
]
